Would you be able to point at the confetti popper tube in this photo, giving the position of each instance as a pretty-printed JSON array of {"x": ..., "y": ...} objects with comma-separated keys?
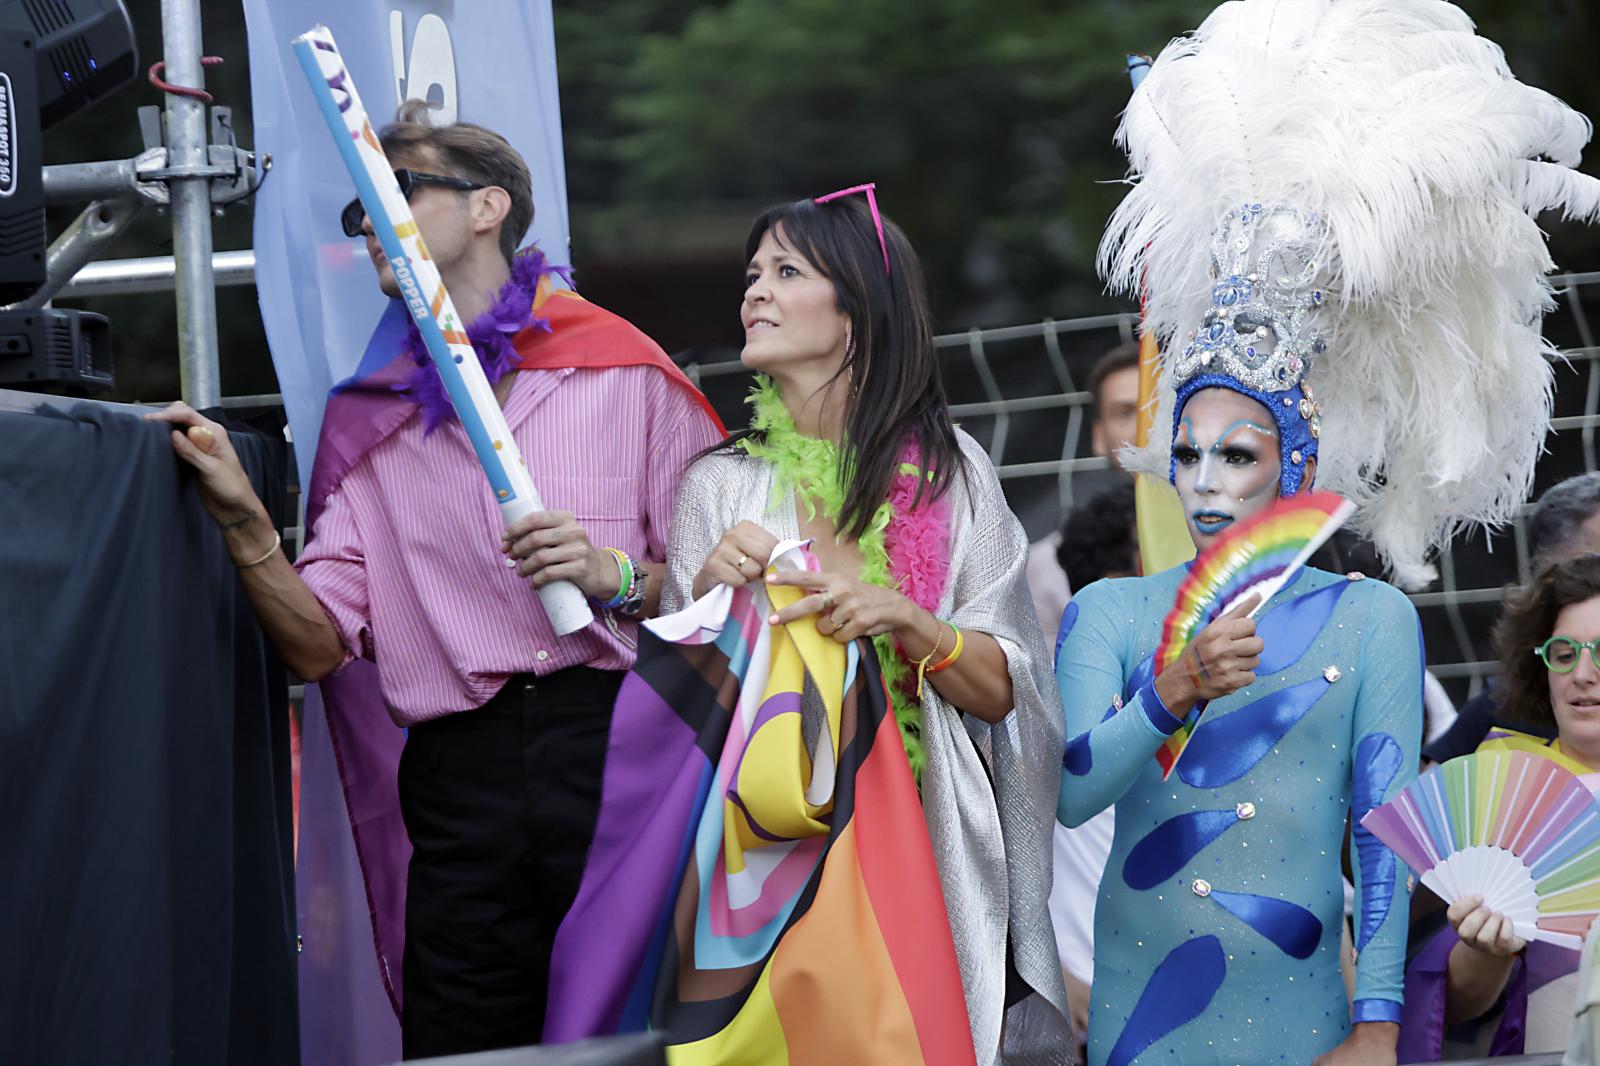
[{"x": 425, "y": 297}]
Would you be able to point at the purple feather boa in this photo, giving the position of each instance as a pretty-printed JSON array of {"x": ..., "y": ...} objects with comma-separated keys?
[{"x": 491, "y": 334}]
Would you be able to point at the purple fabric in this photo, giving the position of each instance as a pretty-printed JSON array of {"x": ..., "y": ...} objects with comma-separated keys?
[
  {"x": 366, "y": 749},
  {"x": 1422, "y": 1010},
  {"x": 608, "y": 935},
  {"x": 1422, "y": 1015},
  {"x": 361, "y": 798},
  {"x": 490, "y": 334},
  {"x": 360, "y": 413},
  {"x": 346, "y": 1018}
]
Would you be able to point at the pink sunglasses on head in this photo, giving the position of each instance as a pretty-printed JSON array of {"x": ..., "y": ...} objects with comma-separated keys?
[{"x": 872, "y": 205}]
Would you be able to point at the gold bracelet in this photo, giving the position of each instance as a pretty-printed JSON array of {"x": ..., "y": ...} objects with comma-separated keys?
[
  {"x": 922, "y": 663},
  {"x": 277, "y": 542}
]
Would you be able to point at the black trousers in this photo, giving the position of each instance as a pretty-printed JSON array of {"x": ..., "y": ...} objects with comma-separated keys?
[{"x": 500, "y": 804}]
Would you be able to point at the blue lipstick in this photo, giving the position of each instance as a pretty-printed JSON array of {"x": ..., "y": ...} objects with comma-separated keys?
[{"x": 1212, "y": 521}]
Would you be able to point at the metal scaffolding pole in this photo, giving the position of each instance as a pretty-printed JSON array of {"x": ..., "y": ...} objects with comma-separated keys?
[
  {"x": 119, "y": 277},
  {"x": 188, "y": 178}
]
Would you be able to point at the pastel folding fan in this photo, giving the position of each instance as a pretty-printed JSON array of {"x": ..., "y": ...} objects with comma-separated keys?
[
  {"x": 1261, "y": 554},
  {"x": 1517, "y": 829}
]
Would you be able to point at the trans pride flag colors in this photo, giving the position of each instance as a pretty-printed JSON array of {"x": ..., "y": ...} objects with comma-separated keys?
[
  {"x": 1260, "y": 555},
  {"x": 760, "y": 890}
]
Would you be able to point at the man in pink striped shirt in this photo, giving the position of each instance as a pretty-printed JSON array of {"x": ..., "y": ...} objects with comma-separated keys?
[{"x": 408, "y": 566}]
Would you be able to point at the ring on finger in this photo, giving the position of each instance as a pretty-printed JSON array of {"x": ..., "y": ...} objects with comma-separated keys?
[
  {"x": 739, "y": 566},
  {"x": 827, "y": 603}
]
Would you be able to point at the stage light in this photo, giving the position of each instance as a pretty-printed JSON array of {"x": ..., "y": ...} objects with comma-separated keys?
[{"x": 56, "y": 58}]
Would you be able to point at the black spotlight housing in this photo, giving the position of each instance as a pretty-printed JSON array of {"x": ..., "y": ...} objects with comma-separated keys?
[
  {"x": 84, "y": 51},
  {"x": 56, "y": 58}
]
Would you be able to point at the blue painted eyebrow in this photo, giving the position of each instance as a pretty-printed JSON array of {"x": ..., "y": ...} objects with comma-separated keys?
[
  {"x": 1186, "y": 432},
  {"x": 1242, "y": 424}
]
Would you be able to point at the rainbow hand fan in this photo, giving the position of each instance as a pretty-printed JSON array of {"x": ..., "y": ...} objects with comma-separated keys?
[
  {"x": 1517, "y": 829},
  {"x": 1259, "y": 555}
]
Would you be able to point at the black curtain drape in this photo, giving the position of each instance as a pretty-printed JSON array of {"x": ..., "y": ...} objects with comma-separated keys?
[{"x": 146, "y": 853}]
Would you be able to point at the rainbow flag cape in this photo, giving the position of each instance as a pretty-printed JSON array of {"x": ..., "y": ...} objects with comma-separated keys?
[
  {"x": 1260, "y": 555},
  {"x": 761, "y": 895}
]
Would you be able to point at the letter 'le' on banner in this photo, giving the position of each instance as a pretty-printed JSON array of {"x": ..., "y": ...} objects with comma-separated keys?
[{"x": 425, "y": 297}]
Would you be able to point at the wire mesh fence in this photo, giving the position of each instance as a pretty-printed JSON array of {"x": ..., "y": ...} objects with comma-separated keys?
[{"x": 1019, "y": 391}]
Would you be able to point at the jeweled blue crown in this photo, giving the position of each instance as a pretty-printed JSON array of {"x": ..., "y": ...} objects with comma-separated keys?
[
  {"x": 1259, "y": 336},
  {"x": 1265, "y": 295}
]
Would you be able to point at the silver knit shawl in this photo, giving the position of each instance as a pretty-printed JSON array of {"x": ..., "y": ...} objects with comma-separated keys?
[{"x": 992, "y": 843}]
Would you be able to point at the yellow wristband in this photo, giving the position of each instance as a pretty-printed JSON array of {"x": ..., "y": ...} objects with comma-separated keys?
[{"x": 955, "y": 652}]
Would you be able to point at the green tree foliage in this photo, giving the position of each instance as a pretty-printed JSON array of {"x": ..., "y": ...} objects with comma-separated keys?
[
  {"x": 988, "y": 126},
  {"x": 986, "y": 123}
]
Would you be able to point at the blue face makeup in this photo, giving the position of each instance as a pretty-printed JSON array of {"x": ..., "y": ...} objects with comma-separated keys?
[{"x": 1225, "y": 461}]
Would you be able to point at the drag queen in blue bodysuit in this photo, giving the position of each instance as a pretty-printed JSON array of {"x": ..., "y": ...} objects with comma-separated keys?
[
  {"x": 1222, "y": 903},
  {"x": 1274, "y": 265}
]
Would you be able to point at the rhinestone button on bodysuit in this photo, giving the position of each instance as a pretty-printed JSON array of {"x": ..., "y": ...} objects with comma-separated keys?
[
  {"x": 1331, "y": 674},
  {"x": 1245, "y": 811},
  {"x": 1201, "y": 887}
]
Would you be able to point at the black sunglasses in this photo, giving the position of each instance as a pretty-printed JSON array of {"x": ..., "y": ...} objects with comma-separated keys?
[{"x": 350, "y": 218}]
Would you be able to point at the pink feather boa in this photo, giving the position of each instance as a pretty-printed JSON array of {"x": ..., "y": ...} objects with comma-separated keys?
[{"x": 917, "y": 539}]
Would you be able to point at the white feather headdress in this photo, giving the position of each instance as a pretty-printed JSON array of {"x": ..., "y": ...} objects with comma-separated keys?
[{"x": 1407, "y": 133}]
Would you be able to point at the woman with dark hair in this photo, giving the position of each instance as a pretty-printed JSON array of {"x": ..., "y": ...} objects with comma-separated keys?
[
  {"x": 1549, "y": 677},
  {"x": 851, "y": 446}
]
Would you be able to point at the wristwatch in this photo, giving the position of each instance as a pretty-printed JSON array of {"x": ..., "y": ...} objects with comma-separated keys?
[{"x": 633, "y": 603}]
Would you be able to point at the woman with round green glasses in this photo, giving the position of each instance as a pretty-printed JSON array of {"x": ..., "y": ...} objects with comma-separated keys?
[
  {"x": 1561, "y": 654},
  {"x": 1482, "y": 969}
]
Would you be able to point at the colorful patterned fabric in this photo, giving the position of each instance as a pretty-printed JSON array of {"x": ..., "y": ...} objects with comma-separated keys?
[{"x": 761, "y": 885}]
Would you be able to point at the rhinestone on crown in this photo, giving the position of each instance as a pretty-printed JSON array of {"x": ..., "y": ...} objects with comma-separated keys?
[{"x": 1266, "y": 298}]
